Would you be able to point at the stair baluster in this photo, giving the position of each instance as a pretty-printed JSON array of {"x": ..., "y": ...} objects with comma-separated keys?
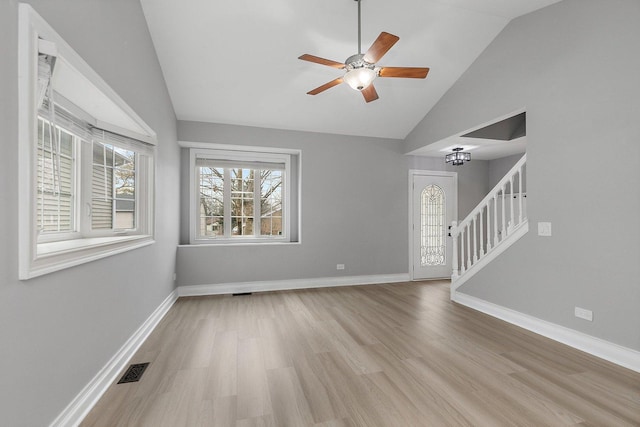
[{"x": 470, "y": 254}]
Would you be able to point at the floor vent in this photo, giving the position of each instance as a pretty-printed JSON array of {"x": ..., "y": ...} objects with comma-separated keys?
[
  {"x": 241, "y": 294},
  {"x": 134, "y": 373}
]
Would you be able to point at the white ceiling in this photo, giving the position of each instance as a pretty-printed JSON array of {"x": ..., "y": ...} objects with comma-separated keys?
[{"x": 236, "y": 62}]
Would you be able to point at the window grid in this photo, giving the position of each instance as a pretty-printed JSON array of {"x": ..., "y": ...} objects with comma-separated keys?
[
  {"x": 239, "y": 201},
  {"x": 271, "y": 203},
  {"x": 242, "y": 201},
  {"x": 211, "y": 201},
  {"x": 113, "y": 205}
]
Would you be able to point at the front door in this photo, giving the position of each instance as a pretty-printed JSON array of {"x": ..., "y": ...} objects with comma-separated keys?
[{"x": 434, "y": 201}]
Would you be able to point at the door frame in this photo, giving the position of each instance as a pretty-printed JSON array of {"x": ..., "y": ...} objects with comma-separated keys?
[{"x": 420, "y": 172}]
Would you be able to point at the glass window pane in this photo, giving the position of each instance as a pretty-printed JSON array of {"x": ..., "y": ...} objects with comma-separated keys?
[
  {"x": 66, "y": 144},
  {"x": 123, "y": 157},
  {"x": 242, "y": 188},
  {"x": 101, "y": 185},
  {"x": 271, "y": 202},
  {"x": 98, "y": 154},
  {"x": 102, "y": 214},
  {"x": 212, "y": 226},
  {"x": 125, "y": 183},
  {"x": 46, "y": 141},
  {"x": 236, "y": 226},
  {"x": 55, "y": 177},
  {"x": 102, "y": 154},
  {"x": 125, "y": 214},
  {"x": 211, "y": 186},
  {"x": 241, "y": 226}
]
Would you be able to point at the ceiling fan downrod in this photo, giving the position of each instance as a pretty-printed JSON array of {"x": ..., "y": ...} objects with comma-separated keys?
[{"x": 359, "y": 30}]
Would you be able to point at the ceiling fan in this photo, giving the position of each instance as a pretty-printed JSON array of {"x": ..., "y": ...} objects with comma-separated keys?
[{"x": 361, "y": 69}]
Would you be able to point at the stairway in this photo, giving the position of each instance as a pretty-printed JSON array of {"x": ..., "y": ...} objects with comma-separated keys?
[{"x": 498, "y": 221}]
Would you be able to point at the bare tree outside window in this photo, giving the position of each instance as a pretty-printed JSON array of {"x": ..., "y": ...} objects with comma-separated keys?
[{"x": 246, "y": 186}]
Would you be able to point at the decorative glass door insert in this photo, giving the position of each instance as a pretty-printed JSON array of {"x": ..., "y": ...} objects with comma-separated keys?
[{"x": 432, "y": 226}]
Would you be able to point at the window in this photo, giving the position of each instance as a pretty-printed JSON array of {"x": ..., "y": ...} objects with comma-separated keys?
[
  {"x": 86, "y": 159},
  {"x": 242, "y": 196},
  {"x": 112, "y": 166}
]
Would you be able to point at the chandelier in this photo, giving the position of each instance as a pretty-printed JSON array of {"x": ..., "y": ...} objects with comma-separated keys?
[{"x": 458, "y": 157}]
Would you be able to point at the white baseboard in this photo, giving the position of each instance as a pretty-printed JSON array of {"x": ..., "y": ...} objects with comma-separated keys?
[
  {"x": 282, "y": 285},
  {"x": 606, "y": 350},
  {"x": 79, "y": 407}
]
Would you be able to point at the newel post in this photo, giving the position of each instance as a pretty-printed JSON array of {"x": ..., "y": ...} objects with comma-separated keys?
[{"x": 454, "y": 247}]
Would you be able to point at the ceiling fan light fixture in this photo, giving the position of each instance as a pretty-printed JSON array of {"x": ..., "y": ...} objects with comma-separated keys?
[{"x": 360, "y": 78}]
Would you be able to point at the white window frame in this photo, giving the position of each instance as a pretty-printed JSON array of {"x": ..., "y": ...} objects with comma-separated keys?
[
  {"x": 249, "y": 155},
  {"x": 39, "y": 258}
]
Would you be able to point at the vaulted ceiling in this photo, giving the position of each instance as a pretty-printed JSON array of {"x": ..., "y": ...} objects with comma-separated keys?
[{"x": 236, "y": 62}]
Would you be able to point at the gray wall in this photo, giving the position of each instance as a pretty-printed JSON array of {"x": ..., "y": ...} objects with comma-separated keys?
[
  {"x": 354, "y": 208},
  {"x": 498, "y": 168},
  {"x": 574, "y": 65},
  {"x": 57, "y": 331},
  {"x": 473, "y": 179}
]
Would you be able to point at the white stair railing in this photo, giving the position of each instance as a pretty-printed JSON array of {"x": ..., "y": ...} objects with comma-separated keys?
[{"x": 498, "y": 221}]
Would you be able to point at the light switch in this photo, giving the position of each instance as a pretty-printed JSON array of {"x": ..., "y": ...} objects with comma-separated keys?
[{"x": 544, "y": 229}]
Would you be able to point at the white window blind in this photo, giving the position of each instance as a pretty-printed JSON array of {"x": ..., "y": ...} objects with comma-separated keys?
[{"x": 55, "y": 179}]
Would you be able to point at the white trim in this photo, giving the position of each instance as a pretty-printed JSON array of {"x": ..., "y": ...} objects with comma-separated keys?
[
  {"x": 85, "y": 252},
  {"x": 283, "y": 285},
  {"x": 36, "y": 26},
  {"x": 240, "y": 242},
  {"x": 598, "y": 347},
  {"x": 36, "y": 259},
  {"x": 420, "y": 172},
  {"x": 235, "y": 147},
  {"x": 240, "y": 154},
  {"x": 514, "y": 236},
  {"x": 80, "y": 406},
  {"x": 495, "y": 120}
]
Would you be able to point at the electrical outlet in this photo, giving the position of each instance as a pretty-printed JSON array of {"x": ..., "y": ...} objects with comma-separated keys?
[
  {"x": 583, "y": 313},
  {"x": 339, "y": 266},
  {"x": 544, "y": 229},
  {"x": 174, "y": 276}
]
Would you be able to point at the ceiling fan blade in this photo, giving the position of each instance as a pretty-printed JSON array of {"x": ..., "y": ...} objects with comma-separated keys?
[
  {"x": 406, "y": 72},
  {"x": 369, "y": 93},
  {"x": 325, "y": 86},
  {"x": 383, "y": 43},
  {"x": 321, "y": 61}
]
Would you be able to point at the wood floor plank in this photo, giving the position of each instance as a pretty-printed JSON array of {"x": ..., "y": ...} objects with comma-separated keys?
[
  {"x": 253, "y": 391},
  {"x": 382, "y": 355},
  {"x": 222, "y": 375},
  {"x": 288, "y": 402},
  {"x": 324, "y": 406},
  {"x": 424, "y": 396},
  {"x": 218, "y": 412}
]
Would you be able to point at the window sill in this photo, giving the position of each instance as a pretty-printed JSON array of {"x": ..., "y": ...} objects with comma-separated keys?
[
  {"x": 227, "y": 242},
  {"x": 55, "y": 256}
]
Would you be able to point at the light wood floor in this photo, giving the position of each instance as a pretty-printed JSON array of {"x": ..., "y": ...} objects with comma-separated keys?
[{"x": 381, "y": 355}]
